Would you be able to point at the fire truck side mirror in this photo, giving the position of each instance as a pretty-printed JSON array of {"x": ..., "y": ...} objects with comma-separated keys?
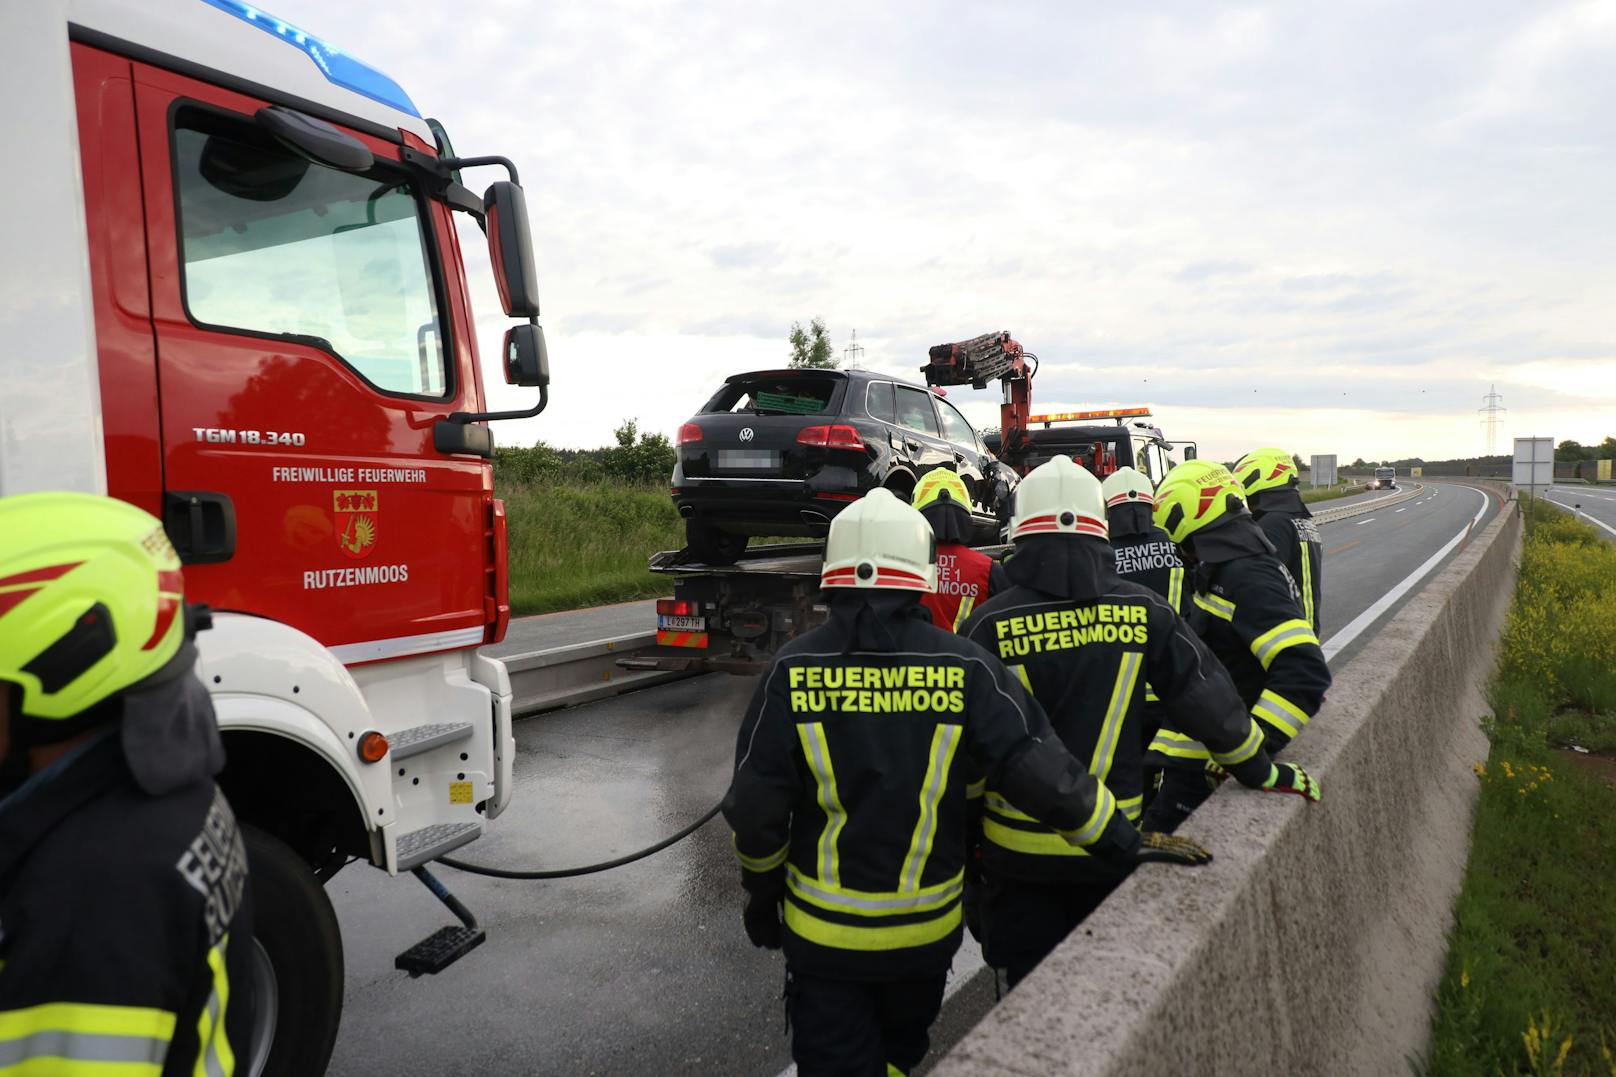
[
  {"x": 1189, "y": 452},
  {"x": 527, "y": 360},
  {"x": 510, "y": 249}
]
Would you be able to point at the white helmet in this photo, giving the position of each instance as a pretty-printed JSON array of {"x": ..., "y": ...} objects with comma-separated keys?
[
  {"x": 880, "y": 542},
  {"x": 1059, "y": 498},
  {"x": 1125, "y": 486}
]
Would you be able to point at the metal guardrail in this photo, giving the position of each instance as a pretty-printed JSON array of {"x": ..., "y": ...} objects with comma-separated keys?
[
  {"x": 579, "y": 673},
  {"x": 1346, "y": 512}
]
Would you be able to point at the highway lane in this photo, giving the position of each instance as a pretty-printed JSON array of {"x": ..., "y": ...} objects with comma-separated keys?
[
  {"x": 1596, "y": 504},
  {"x": 645, "y": 969}
]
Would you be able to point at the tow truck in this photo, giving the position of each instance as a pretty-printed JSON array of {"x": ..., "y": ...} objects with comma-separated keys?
[
  {"x": 235, "y": 298},
  {"x": 733, "y": 617}
]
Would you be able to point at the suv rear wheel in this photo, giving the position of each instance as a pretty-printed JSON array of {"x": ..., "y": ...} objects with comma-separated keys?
[{"x": 711, "y": 546}]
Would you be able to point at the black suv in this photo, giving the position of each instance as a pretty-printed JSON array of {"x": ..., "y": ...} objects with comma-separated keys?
[{"x": 780, "y": 452}]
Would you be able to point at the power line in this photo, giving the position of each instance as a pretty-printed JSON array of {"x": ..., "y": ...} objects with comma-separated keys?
[
  {"x": 853, "y": 354},
  {"x": 1491, "y": 419}
]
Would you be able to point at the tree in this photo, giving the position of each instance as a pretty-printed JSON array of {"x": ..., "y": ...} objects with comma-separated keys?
[
  {"x": 1360, "y": 462},
  {"x": 811, "y": 347},
  {"x": 1607, "y": 449},
  {"x": 638, "y": 457},
  {"x": 1296, "y": 458},
  {"x": 1569, "y": 450}
]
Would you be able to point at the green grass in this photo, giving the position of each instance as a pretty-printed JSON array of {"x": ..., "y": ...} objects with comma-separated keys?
[
  {"x": 1329, "y": 493},
  {"x": 574, "y": 545},
  {"x": 1530, "y": 980}
]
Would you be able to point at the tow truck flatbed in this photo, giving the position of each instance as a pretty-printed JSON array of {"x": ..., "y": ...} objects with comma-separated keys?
[{"x": 732, "y": 618}]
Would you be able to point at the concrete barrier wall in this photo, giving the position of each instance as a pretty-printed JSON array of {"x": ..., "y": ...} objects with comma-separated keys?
[{"x": 1313, "y": 942}]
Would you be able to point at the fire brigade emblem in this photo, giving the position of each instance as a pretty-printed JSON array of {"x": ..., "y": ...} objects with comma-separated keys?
[
  {"x": 1209, "y": 494},
  {"x": 356, "y": 512}
]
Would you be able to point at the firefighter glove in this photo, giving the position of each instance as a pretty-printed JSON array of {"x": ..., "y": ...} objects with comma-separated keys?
[
  {"x": 762, "y": 920},
  {"x": 1290, "y": 778},
  {"x": 1215, "y": 775},
  {"x": 1157, "y": 848}
]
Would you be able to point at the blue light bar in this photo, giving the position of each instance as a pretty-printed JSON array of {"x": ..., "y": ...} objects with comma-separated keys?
[{"x": 337, "y": 66}]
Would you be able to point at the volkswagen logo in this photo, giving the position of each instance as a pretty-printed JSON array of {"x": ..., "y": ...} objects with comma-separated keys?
[{"x": 746, "y": 433}]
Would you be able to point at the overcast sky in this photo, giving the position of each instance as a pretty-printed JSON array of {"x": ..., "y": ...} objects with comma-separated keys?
[{"x": 1327, "y": 227}]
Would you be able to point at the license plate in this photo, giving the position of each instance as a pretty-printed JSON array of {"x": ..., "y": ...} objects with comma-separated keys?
[
  {"x": 681, "y": 624},
  {"x": 742, "y": 460}
]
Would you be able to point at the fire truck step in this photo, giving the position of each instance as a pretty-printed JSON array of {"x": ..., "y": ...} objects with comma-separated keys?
[
  {"x": 439, "y": 950},
  {"x": 423, "y": 738},
  {"x": 431, "y": 842}
]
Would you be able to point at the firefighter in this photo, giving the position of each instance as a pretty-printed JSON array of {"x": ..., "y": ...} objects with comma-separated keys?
[
  {"x": 1249, "y": 611},
  {"x": 1084, "y": 642},
  {"x": 1144, "y": 553},
  {"x": 965, "y": 576},
  {"x": 848, "y": 799},
  {"x": 1274, "y": 496},
  {"x": 123, "y": 896}
]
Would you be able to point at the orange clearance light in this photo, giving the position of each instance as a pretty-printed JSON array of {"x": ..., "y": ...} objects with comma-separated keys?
[{"x": 372, "y": 747}]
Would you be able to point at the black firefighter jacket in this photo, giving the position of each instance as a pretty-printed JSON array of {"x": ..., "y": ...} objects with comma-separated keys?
[
  {"x": 1285, "y": 519},
  {"x": 1084, "y": 642},
  {"x": 1249, "y": 612},
  {"x": 850, "y": 786},
  {"x": 123, "y": 928}
]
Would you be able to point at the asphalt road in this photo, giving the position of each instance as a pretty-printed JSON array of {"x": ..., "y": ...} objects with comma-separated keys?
[
  {"x": 1597, "y": 504},
  {"x": 645, "y": 970}
]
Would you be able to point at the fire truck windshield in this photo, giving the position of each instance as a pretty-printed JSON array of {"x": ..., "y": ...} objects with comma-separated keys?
[{"x": 278, "y": 245}]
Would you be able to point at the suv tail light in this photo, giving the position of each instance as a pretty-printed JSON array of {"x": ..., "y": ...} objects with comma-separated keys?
[
  {"x": 832, "y": 437},
  {"x": 689, "y": 432},
  {"x": 675, "y": 607}
]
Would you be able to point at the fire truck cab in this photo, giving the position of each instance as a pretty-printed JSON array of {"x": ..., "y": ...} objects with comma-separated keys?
[{"x": 235, "y": 298}]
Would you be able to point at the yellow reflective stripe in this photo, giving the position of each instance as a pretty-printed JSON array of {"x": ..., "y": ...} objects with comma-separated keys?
[
  {"x": 1032, "y": 842},
  {"x": 1150, "y": 694},
  {"x": 1133, "y": 807},
  {"x": 944, "y": 739},
  {"x": 1247, "y": 749},
  {"x": 1175, "y": 588},
  {"x": 1173, "y": 743},
  {"x": 873, "y": 902},
  {"x": 1281, "y": 637},
  {"x": 1021, "y": 672},
  {"x": 759, "y": 863},
  {"x": 214, "y": 1058},
  {"x": 975, "y": 790},
  {"x": 81, "y": 1038},
  {"x": 1105, "y": 806},
  {"x": 894, "y": 1071},
  {"x": 1279, "y": 712},
  {"x": 807, "y": 926},
  {"x": 997, "y": 803},
  {"x": 817, "y": 750},
  {"x": 1217, "y": 607},
  {"x": 1105, "y": 746},
  {"x": 964, "y": 610},
  {"x": 1307, "y": 585}
]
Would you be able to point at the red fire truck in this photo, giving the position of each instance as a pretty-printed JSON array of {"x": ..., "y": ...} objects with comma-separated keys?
[{"x": 234, "y": 297}]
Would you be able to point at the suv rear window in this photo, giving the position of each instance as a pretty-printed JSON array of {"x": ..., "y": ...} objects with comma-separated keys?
[{"x": 788, "y": 394}]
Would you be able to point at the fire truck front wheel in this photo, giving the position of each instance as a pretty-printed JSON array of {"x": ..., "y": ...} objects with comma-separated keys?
[{"x": 297, "y": 962}]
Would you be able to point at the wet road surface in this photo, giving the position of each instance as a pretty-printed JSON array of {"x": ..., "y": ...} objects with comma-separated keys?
[{"x": 645, "y": 969}]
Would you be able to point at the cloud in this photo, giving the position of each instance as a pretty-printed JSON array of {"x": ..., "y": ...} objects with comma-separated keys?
[{"x": 1331, "y": 204}]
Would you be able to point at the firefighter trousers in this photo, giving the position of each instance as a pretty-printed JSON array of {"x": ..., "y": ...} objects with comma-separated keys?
[
  {"x": 858, "y": 1028},
  {"x": 1182, "y": 791},
  {"x": 1024, "y": 921}
]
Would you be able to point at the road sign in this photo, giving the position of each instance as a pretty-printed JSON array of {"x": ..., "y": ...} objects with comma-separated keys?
[
  {"x": 1323, "y": 470},
  {"x": 1534, "y": 464}
]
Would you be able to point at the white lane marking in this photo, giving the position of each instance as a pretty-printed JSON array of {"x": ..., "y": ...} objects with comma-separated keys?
[
  {"x": 1360, "y": 523},
  {"x": 1404, "y": 509},
  {"x": 1334, "y": 645},
  {"x": 969, "y": 958},
  {"x": 1585, "y": 516}
]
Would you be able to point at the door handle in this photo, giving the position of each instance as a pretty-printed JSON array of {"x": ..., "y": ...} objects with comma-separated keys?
[
  {"x": 959, "y": 457},
  {"x": 201, "y": 524},
  {"x": 911, "y": 444}
]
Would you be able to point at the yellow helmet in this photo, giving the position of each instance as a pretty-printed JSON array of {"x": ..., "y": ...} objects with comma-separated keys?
[
  {"x": 1058, "y": 498},
  {"x": 879, "y": 542},
  {"x": 941, "y": 485},
  {"x": 91, "y": 600},
  {"x": 1266, "y": 469},
  {"x": 1125, "y": 486},
  {"x": 1195, "y": 495}
]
